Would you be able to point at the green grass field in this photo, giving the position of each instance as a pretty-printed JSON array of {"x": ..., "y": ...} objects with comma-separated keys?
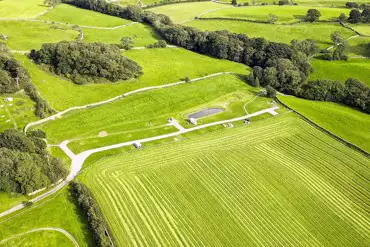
[
  {"x": 60, "y": 211},
  {"x": 329, "y": 3},
  {"x": 181, "y": 12},
  {"x": 359, "y": 46},
  {"x": 25, "y": 35},
  {"x": 72, "y": 15},
  {"x": 345, "y": 122},
  {"x": 146, "y": 114},
  {"x": 286, "y": 14},
  {"x": 49, "y": 238},
  {"x": 278, "y": 33},
  {"x": 364, "y": 29},
  {"x": 341, "y": 70},
  {"x": 143, "y": 35},
  {"x": 160, "y": 66},
  {"x": 21, "y": 8},
  {"x": 18, "y": 113},
  {"x": 278, "y": 181}
]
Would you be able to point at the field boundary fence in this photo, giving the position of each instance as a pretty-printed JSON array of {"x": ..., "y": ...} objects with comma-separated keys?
[{"x": 347, "y": 143}]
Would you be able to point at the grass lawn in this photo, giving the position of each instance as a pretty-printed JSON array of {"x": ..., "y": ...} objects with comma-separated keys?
[
  {"x": 341, "y": 70},
  {"x": 345, "y": 122},
  {"x": 69, "y": 14},
  {"x": 329, "y": 3},
  {"x": 181, "y": 12},
  {"x": 143, "y": 35},
  {"x": 146, "y": 114},
  {"x": 60, "y": 211},
  {"x": 25, "y": 35},
  {"x": 261, "y": 184},
  {"x": 21, "y": 8},
  {"x": 359, "y": 46},
  {"x": 364, "y": 29},
  {"x": 278, "y": 33},
  {"x": 18, "y": 113},
  {"x": 40, "y": 239},
  {"x": 8, "y": 200},
  {"x": 160, "y": 66},
  {"x": 286, "y": 14}
]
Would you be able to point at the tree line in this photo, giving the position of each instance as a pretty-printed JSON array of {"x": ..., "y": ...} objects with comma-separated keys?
[
  {"x": 14, "y": 77},
  {"x": 91, "y": 209},
  {"x": 85, "y": 63},
  {"x": 281, "y": 66},
  {"x": 25, "y": 163}
]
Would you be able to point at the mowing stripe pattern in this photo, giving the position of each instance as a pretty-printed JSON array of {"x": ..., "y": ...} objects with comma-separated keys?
[{"x": 276, "y": 182}]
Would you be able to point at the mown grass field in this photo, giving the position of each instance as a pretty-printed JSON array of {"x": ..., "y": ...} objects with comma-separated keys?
[
  {"x": 18, "y": 113},
  {"x": 26, "y": 35},
  {"x": 341, "y": 70},
  {"x": 142, "y": 35},
  {"x": 182, "y": 12},
  {"x": 160, "y": 66},
  {"x": 49, "y": 238},
  {"x": 21, "y": 8},
  {"x": 72, "y": 15},
  {"x": 278, "y": 181},
  {"x": 329, "y": 3},
  {"x": 279, "y": 33},
  {"x": 345, "y": 122},
  {"x": 58, "y": 211},
  {"x": 146, "y": 114},
  {"x": 286, "y": 14},
  {"x": 364, "y": 29}
]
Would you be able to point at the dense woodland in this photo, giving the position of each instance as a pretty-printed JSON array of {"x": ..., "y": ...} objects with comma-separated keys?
[
  {"x": 94, "y": 215},
  {"x": 25, "y": 163},
  {"x": 13, "y": 77},
  {"x": 84, "y": 63},
  {"x": 281, "y": 66}
]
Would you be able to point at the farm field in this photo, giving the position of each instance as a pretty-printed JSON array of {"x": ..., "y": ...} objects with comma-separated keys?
[
  {"x": 364, "y": 29},
  {"x": 21, "y": 8},
  {"x": 26, "y": 35},
  {"x": 58, "y": 211},
  {"x": 18, "y": 113},
  {"x": 355, "y": 68},
  {"x": 329, "y": 3},
  {"x": 286, "y": 14},
  {"x": 142, "y": 35},
  {"x": 251, "y": 185},
  {"x": 72, "y": 15},
  {"x": 319, "y": 32},
  {"x": 358, "y": 47},
  {"x": 49, "y": 238},
  {"x": 345, "y": 122},
  {"x": 122, "y": 123},
  {"x": 178, "y": 15},
  {"x": 160, "y": 66}
]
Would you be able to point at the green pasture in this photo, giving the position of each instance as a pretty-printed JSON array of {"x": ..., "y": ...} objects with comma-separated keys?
[
  {"x": 182, "y": 12},
  {"x": 145, "y": 114},
  {"x": 72, "y": 15},
  {"x": 160, "y": 66},
  {"x": 128, "y": 2},
  {"x": 345, "y": 122},
  {"x": 21, "y": 8},
  {"x": 341, "y": 70},
  {"x": 359, "y": 47},
  {"x": 8, "y": 200},
  {"x": 143, "y": 35},
  {"x": 261, "y": 184},
  {"x": 59, "y": 210},
  {"x": 27, "y": 35},
  {"x": 364, "y": 29},
  {"x": 286, "y": 14},
  {"x": 40, "y": 239},
  {"x": 20, "y": 112},
  {"x": 319, "y": 32},
  {"x": 328, "y": 3}
]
